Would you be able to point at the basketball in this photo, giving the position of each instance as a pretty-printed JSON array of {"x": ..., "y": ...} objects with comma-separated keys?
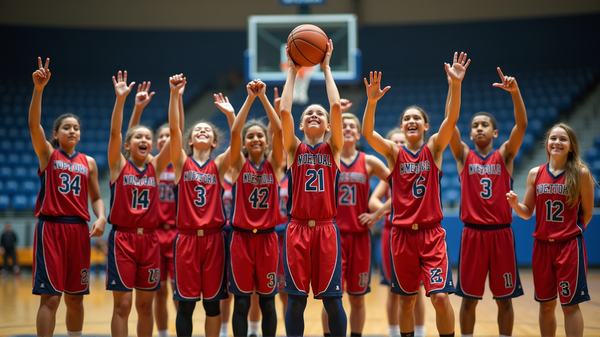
[{"x": 307, "y": 45}]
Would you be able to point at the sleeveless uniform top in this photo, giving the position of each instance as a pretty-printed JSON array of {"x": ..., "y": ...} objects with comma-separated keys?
[
  {"x": 314, "y": 178},
  {"x": 386, "y": 219},
  {"x": 554, "y": 219},
  {"x": 353, "y": 195},
  {"x": 415, "y": 184},
  {"x": 255, "y": 197},
  {"x": 283, "y": 198},
  {"x": 199, "y": 196},
  {"x": 166, "y": 198},
  {"x": 134, "y": 198},
  {"x": 484, "y": 184},
  {"x": 64, "y": 186},
  {"x": 227, "y": 199}
]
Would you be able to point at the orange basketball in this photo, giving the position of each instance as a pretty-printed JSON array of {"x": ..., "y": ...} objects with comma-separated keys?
[{"x": 307, "y": 45}]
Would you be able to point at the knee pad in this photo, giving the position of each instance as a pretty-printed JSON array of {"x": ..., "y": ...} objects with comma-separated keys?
[
  {"x": 186, "y": 308},
  {"x": 211, "y": 308},
  {"x": 241, "y": 303},
  {"x": 267, "y": 304},
  {"x": 296, "y": 304},
  {"x": 333, "y": 305}
]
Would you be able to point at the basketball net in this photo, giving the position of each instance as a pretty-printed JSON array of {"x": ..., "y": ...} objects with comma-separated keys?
[{"x": 301, "y": 84}]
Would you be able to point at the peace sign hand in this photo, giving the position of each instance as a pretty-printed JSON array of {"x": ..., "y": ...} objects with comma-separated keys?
[
  {"x": 509, "y": 83},
  {"x": 42, "y": 75}
]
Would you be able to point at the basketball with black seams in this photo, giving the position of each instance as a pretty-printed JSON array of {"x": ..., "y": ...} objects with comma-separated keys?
[{"x": 307, "y": 45}]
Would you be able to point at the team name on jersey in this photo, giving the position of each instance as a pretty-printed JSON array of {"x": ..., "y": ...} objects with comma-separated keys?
[
  {"x": 71, "y": 167},
  {"x": 415, "y": 168},
  {"x": 551, "y": 189},
  {"x": 314, "y": 159},
  {"x": 485, "y": 169},
  {"x": 257, "y": 179},
  {"x": 353, "y": 177},
  {"x": 200, "y": 177},
  {"x": 143, "y": 181},
  {"x": 168, "y": 176}
]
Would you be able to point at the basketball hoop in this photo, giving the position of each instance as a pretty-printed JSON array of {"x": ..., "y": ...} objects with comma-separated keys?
[{"x": 301, "y": 84}]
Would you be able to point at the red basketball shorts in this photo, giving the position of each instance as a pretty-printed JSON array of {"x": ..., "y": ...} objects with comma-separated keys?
[
  {"x": 200, "y": 265},
  {"x": 420, "y": 254},
  {"x": 356, "y": 262},
  {"x": 253, "y": 263},
  {"x": 484, "y": 249},
  {"x": 280, "y": 274},
  {"x": 61, "y": 258},
  {"x": 166, "y": 238},
  {"x": 312, "y": 254},
  {"x": 386, "y": 269},
  {"x": 133, "y": 260},
  {"x": 560, "y": 268}
]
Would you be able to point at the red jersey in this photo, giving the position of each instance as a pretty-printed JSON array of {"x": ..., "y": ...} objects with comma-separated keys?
[
  {"x": 134, "y": 197},
  {"x": 255, "y": 197},
  {"x": 386, "y": 220},
  {"x": 199, "y": 196},
  {"x": 484, "y": 184},
  {"x": 64, "y": 184},
  {"x": 554, "y": 219},
  {"x": 227, "y": 198},
  {"x": 166, "y": 198},
  {"x": 415, "y": 183},
  {"x": 283, "y": 198},
  {"x": 353, "y": 196},
  {"x": 314, "y": 177}
]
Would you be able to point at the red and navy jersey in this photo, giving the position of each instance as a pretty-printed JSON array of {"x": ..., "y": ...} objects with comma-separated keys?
[
  {"x": 353, "y": 195},
  {"x": 166, "y": 198},
  {"x": 199, "y": 196},
  {"x": 386, "y": 220},
  {"x": 484, "y": 184},
  {"x": 134, "y": 198},
  {"x": 64, "y": 186},
  {"x": 415, "y": 183},
  {"x": 227, "y": 198},
  {"x": 255, "y": 197},
  {"x": 314, "y": 178},
  {"x": 283, "y": 198},
  {"x": 554, "y": 219}
]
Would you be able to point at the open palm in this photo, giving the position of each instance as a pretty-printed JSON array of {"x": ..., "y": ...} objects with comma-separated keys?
[
  {"x": 121, "y": 87},
  {"x": 459, "y": 66},
  {"x": 374, "y": 91},
  {"x": 222, "y": 102}
]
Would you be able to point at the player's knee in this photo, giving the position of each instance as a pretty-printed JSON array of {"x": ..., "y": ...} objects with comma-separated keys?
[
  {"x": 356, "y": 301},
  {"x": 440, "y": 301},
  {"x": 267, "y": 304},
  {"x": 569, "y": 309},
  {"x": 333, "y": 305},
  {"x": 123, "y": 308},
  {"x": 547, "y": 307},
  {"x": 211, "y": 308},
  {"x": 504, "y": 304},
  {"x": 469, "y": 303},
  {"x": 186, "y": 308},
  {"x": 50, "y": 301},
  {"x": 296, "y": 305},
  {"x": 162, "y": 294},
  {"x": 144, "y": 308},
  {"x": 242, "y": 304},
  {"x": 408, "y": 302},
  {"x": 74, "y": 302}
]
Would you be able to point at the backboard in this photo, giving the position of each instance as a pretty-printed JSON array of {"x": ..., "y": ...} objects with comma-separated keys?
[{"x": 267, "y": 39}]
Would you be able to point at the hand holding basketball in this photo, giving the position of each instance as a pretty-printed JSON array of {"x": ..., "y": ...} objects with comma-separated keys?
[
  {"x": 307, "y": 45},
  {"x": 509, "y": 83},
  {"x": 42, "y": 75},
  {"x": 327, "y": 57},
  {"x": 121, "y": 87},
  {"x": 374, "y": 92}
]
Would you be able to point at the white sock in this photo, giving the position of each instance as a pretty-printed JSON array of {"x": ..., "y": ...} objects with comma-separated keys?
[
  {"x": 394, "y": 330},
  {"x": 465, "y": 335},
  {"x": 163, "y": 333},
  {"x": 74, "y": 333},
  {"x": 253, "y": 328},
  {"x": 419, "y": 331},
  {"x": 224, "y": 329}
]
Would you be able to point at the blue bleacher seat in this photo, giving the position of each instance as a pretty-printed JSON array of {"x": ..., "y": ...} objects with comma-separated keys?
[
  {"x": 30, "y": 187},
  {"x": 11, "y": 187},
  {"x": 4, "y": 202},
  {"x": 32, "y": 201},
  {"x": 20, "y": 203},
  {"x": 591, "y": 154},
  {"x": 451, "y": 196},
  {"x": 6, "y": 173},
  {"x": 3, "y": 160},
  {"x": 20, "y": 172}
]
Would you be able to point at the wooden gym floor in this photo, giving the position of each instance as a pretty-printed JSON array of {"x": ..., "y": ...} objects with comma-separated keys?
[{"x": 18, "y": 308}]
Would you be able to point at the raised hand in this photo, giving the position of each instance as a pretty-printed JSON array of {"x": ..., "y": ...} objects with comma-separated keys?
[
  {"x": 346, "y": 104},
  {"x": 456, "y": 71},
  {"x": 513, "y": 199},
  {"x": 276, "y": 101},
  {"x": 121, "y": 87},
  {"x": 182, "y": 90},
  {"x": 509, "y": 83},
  {"x": 261, "y": 87},
  {"x": 374, "y": 91},
  {"x": 292, "y": 65},
  {"x": 222, "y": 102},
  {"x": 325, "y": 62},
  {"x": 42, "y": 75},
  {"x": 142, "y": 98},
  {"x": 176, "y": 82},
  {"x": 252, "y": 88}
]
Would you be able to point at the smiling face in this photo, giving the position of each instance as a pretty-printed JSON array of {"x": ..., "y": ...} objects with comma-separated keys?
[
  {"x": 68, "y": 132},
  {"x": 350, "y": 130},
  {"x": 558, "y": 143},
  {"x": 482, "y": 130},
  {"x": 315, "y": 121},
  {"x": 202, "y": 137},
  {"x": 139, "y": 144},
  {"x": 163, "y": 135},
  {"x": 414, "y": 125},
  {"x": 255, "y": 141}
]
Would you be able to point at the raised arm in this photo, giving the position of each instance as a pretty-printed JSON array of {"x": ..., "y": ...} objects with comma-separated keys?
[
  {"x": 223, "y": 161},
  {"x": 176, "y": 82},
  {"x": 456, "y": 72},
  {"x": 335, "y": 107},
  {"x": 181, "y": 111},
  {"x": 96, "y": 200},
  {"x": 142, "y": 98},
  {"x": 378, "y": 143},
  {"x": 459, "y": 148},
  {"x": 276, "y": 155},
  {"x": 524, "y": 210},
  {"x": 116, "y": 160},
  {"x": 236, "y": 157},
  {"x": 290, "y": 141},
  {"x": 42, "y": 147},
  {"x": 509, "y": 149}
]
